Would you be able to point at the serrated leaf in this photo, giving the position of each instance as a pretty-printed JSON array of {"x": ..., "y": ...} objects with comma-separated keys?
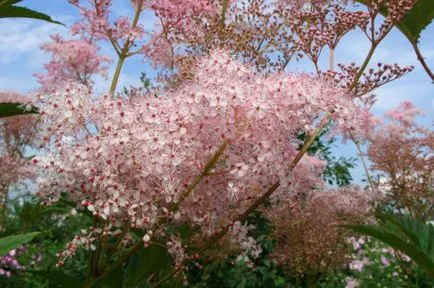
[
  {"x": 11, "y": 242},
  {"x": 415, "y": 20},
  {"x": 14, "y": 109},
  {"x": 8, "y": 10}
]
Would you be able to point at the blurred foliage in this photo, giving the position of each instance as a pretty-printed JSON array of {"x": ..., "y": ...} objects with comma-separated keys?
[
  {"x": 338, "y": 170},
  {"x": 58, "y": 227},
  {"x": 263, "y": 272}
]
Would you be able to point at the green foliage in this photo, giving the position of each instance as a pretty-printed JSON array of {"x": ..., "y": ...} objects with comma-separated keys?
[
  {"x": 13, "y": 109},
  {"x": 59, "y": 227},
  {"x": 232, "y": 273},
  {"x": 11, "y": 242},
  {"x": 8, "y": 9},
  {"x": 411, "y": 237},
  {"x": 240, "y": 275},
  {"x": 337, "y": 171},
  {"x": 57, "y": 277},
  {"x": 146, "y": 86},
  {"x": 145, "y": 263},
  {"x": 375, "y": 273}
]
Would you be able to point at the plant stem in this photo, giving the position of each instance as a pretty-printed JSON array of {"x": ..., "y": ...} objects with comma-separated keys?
[
  {"x": 208, "y": 167},
  {"x": 90, "y": 282},
  {"x": 332, "y": 59},
  {"x": 362, "y": 159},
  {"x": 363, "y": 67},
  {"x": 124, "y": 51},
  {"x": 270, "y": 190},
  {"x": 216, "y": 237},
  {"x": 117, "y": 73},
  {"x": 222, "y": 22},
  {"x": 422, "y": 60}
]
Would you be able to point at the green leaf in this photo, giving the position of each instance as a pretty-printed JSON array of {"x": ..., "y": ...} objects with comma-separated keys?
[
  {"x": 13, "y": 109},
  {"x": 411, "y": 237},
  {"x": 144, "y": 263},
  {"x": 394, "y": 241},
  {"x": 9, "y": 2},
  {"x": 114, "y": 279},
  {"x": 57, "y": 277},
  {"x": 415, "y": 20},
  {"x": 400, "y": 226},
  {"x": 11, "y": 242},
  {"x": 8, "y": 10}
]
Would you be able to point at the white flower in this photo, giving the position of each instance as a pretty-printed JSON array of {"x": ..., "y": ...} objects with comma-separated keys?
[{"x": 240, "y": 170}]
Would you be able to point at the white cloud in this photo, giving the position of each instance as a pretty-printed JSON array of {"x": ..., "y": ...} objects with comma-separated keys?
[
  {"x": 21, "y": 39},
  {"x": 390, "y": 96}
]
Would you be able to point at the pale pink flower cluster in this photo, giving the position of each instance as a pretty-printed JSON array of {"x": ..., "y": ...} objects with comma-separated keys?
[
  {"x": 65, "y": 111},
  {"x": 321, "y": 24},
  {"x": 401, "y": 152},
  {"x": 357, "y": 242},
  {"x": 361, "y": 258},
  {"x": 351, "y": 283},
  {"x": 239, "y": 234},
  {"x": 71, "y": 60},
  {"x": 17, "y": 133},
  {"x": 370, "y": 80},
  {"x": 133, "y": 162},
  {"x": 179, "y": 10},
  {"x": 359, "y": 265},
  {"x": 307, "y": 229},
  {"x": 96, "y": 22},
  {"x": 405, "y": 113},
  {"x": 87, "y": 239},
  {"x": 180, "y": 21},
  {"x": 176, "y": 248}
]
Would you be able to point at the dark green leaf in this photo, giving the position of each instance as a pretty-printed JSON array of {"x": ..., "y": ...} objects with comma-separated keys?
[
  {"x": 9, "y": 2},
  {"x": 8, "y": 10},
  {"x": 59, "y": 278},
  {"x": 11, "y": 242},
  {"x": 114, "y": 279},
  {"x": 13, "y": 109},
  {"x": 145, "y": 263},
  {"x": 400, "y": 226},
  {"x": 408, "y": 248},
  {"x": 411, "y": 237}
]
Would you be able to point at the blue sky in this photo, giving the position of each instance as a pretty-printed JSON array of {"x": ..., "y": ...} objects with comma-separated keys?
[{"x": 20, "y": 58}]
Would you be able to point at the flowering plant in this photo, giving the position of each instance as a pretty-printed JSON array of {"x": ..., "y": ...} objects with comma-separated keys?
[{"x": 174, "y": 173}]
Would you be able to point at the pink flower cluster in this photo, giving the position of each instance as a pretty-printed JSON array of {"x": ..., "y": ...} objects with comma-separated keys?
[
  {"x": 370, "y": 80},
  {"x": 9, "y": 264},
  {"x": 306, "y": 227},
  {"x": 401, "y": 152},
  {"x": 96, "y": 22},
  {"x": 71, "y": 60},
  {"x": 200, "y": 154},
  {"x": 17, "y": 134},
  {"x": 321, "y": 24}
]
